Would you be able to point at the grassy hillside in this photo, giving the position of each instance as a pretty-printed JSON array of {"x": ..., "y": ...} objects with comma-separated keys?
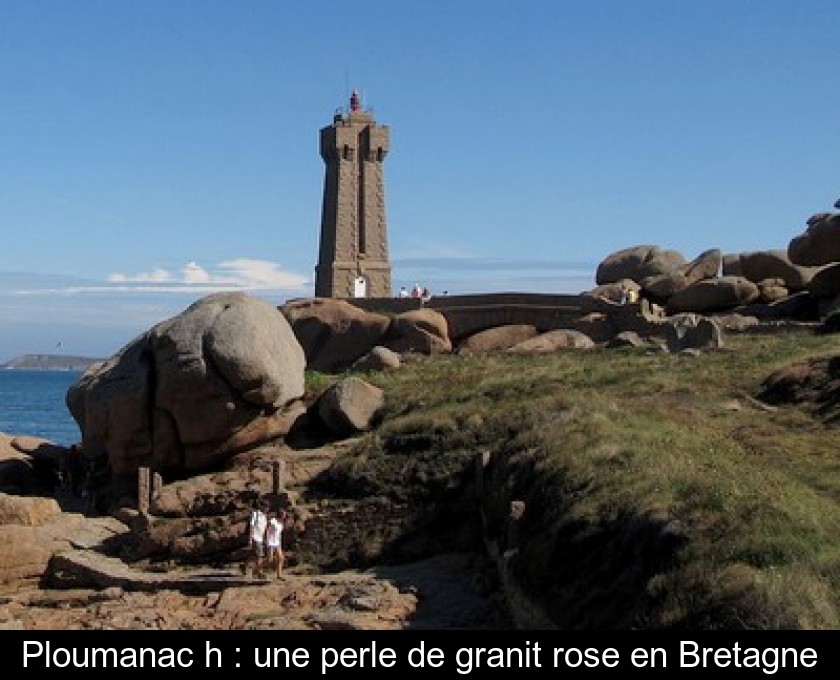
[{"x": 659, "y": 492}]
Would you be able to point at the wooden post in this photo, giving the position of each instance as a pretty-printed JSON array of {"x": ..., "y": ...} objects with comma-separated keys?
[
  {"x": 278, "y": 469},
  {"x": 143, "y": 490},
  {"x": 157, "y": 485}
]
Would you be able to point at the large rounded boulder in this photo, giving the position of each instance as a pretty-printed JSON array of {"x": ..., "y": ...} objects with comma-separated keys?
[
  {"x": 774, "y": 264},
  {"x": 424, "y": 331},
  {"x": 333, "y": 333},
  {"x": 826, "y": 282},
  {"x": 225, "y": 375},
  {"x": 663, "y": 286},
  {"x": 637, "y": 263},
  {"x": 706, "y": 265},
  {"x": 820, "y": 244},
  {"x": 497, "y": 338},
  {"x": 21, "y": 468},
  {"x": 710, "y": 295},
  {"x": 350, "y": 405},
  {"x": 553, "y": 341}
]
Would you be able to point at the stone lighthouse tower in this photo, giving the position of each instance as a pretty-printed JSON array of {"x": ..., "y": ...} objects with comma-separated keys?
[{"x": 353, "y": 252}]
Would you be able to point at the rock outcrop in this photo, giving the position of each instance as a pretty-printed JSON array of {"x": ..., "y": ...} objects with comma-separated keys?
[
  {"x": 714, "y": 282},
  {"x": 33, "y": 529},
  {"x": 26, "y": 510},
  {"x": 774, "y": 264},
  {"x": 615, "y": 291},
  {"x": 496, "y": 338},
  {"x": 423, "y": 331},
  {"x": 637, "y": 263},
  {"x": 814, "y": 382},
  {"x": 350, "y": 405},
  {"x": 706, "y": 265},
  {"x": 596, "y": 325},
  {"x": 378, "y": 359},
  {"x": 819, "y": 244},
  {"x": 28, "y": 464},
  {"x": 552, "y": 341},
  {"x": 663, "y": 286},
  {"x": 224, "y": 375},
  {"x": 336, "y": 334},
  {"x": 708, "y": 295},
  {"x": 692, "y": 331},
  {"x": 826, "y": 282},
  {"x": 333, "y": 333}
]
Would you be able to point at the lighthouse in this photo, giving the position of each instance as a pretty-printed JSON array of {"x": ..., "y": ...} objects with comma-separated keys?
[{"x": 353, "y": 252}]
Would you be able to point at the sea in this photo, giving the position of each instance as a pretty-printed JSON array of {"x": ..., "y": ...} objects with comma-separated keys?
[{"x": 32, "y": 403}]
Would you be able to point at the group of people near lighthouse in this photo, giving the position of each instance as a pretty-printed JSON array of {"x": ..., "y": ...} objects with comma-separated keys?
[
  {"x": 265, "y": 540},
  {"x": 417, "y": 292}
]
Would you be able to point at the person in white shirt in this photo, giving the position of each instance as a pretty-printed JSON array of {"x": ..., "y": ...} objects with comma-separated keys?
[
  {"x": 256, "y": 539},
  {"x": 274, "y": 540}
]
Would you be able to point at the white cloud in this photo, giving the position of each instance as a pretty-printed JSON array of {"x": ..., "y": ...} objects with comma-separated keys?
[
  {"x": 95, "y": 317},
  {"x": 158, "y": 275},
  {"x": 261, "y": 274},
  {"x": 237, "y": 274},
  {"x": 195, "y": 273}
]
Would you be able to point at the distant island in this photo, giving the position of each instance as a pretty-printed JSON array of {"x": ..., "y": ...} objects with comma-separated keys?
[{"x": 50, "y": 362}]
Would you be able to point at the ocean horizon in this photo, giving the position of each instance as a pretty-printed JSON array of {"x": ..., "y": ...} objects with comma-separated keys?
[{"x": 32, "y": 402}]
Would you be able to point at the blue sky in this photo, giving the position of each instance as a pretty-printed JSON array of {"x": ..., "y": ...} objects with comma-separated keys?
[{"x": 154, "y": 151}]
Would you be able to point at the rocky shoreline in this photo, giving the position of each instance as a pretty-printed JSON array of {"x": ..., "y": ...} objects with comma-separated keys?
[
  {"x": 142, "y": 524},
  {"x": 63, "y": 569}
]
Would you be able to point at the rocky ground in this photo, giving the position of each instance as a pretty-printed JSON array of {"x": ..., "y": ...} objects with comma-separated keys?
[
  {"x": 439, "y": 593},
  {"x": 87, "y": 586}
]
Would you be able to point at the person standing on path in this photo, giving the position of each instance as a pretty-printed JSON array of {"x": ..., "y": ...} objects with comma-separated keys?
[
  {"x": 256, "y": 539},
  {"x": 274, "y": 540}
]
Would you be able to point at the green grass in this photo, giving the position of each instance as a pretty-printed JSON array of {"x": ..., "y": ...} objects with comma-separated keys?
[
  {"x": 316, "y": 382},
  {"x": 659, "y": 493}
]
